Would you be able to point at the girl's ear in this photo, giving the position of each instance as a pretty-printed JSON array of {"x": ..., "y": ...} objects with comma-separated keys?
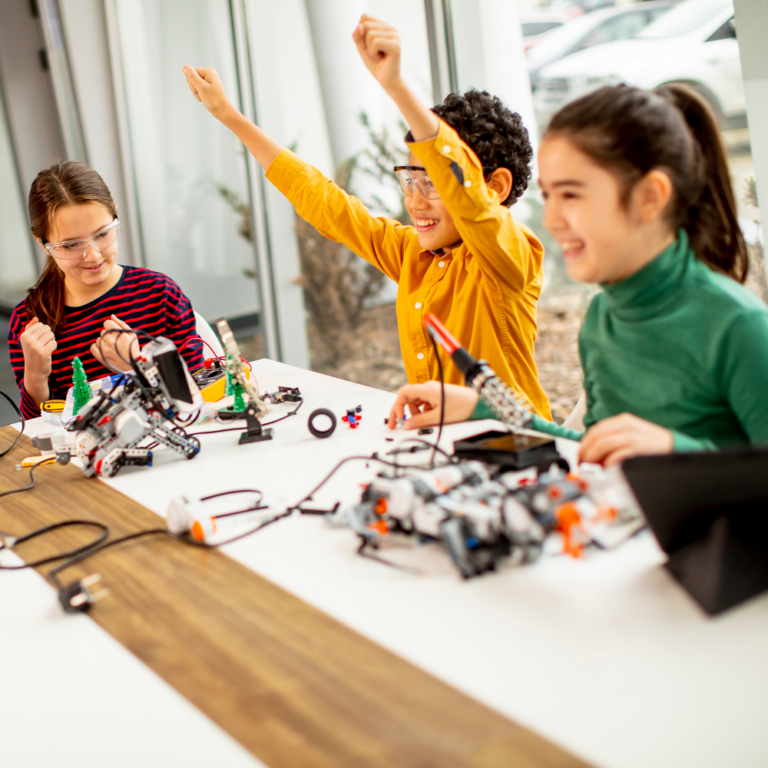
[
  {"x": 652, "y": 195},
  {"x": 501, "y": 181}
]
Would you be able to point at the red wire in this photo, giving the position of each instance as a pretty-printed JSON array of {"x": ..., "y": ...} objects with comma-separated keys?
[{"x": 215, "y": 356}]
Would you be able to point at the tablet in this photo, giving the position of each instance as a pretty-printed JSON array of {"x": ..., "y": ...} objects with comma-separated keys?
[{"x": 681, "y": 494}]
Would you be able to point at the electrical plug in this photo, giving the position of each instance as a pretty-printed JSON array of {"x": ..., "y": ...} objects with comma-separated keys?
[{"x": 78, "y": 596}]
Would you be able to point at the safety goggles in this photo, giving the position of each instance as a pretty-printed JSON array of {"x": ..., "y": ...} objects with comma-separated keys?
[
  {"x": 72, "y": 250},
  {"x": 415, "y": 177}
]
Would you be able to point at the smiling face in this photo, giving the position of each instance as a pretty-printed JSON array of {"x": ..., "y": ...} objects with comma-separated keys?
[
  {"x": 78, "y": 222},
  {"x": 434, "y": 225},
  {"x": 603, "y": 240}
]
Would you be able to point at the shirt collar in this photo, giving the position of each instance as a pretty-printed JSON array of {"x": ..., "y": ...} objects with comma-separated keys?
[
  {"x": 459, "y": 250},
  {"x": 655, "y": 287}
]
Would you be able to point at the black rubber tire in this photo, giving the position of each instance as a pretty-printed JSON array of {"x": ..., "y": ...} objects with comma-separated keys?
[{"x": 322, "y": 434}]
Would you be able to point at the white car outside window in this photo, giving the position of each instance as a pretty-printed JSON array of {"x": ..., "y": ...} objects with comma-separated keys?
[{"x": 694, "y": 43}]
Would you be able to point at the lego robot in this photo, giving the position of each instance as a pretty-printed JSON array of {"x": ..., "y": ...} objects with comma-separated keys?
[
  {"x": 111, "y": 426},
  {"x": 482, "y": 521}
]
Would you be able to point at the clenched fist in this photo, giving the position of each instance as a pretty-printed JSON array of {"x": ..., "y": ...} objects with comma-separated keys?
[
  {"x": 379, "y": 47},
  {"x": 38, "y": 344},
  {"x": 207, "y": 88}
]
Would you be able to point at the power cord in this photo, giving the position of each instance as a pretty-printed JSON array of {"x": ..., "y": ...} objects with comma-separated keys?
[
  {"x": 78, "y": 596},
  {"x": 31, "y": 477},
  {"x": 442, "y": 399},
  {"x": 21, "y": 419},
  {"x": 9, "y": 543}
]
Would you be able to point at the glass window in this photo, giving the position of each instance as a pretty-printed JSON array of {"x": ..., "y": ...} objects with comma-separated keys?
[
  {"x": 628, "y": 25},
  {"x": 189, "y": 171},
  {"x": 600, "y": 34},
  {"x": 562, "y": 41},
  {"x": 531, "y": 28},
  {"x": 315, "y": 96},
  {"x": 686, "y": 17},
  {"x": 617, "y": 28},
  {"x": 17, "y": 266},
  {"x": 726, "y": 32}
]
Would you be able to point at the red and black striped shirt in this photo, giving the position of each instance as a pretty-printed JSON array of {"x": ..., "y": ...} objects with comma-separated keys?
[{"x": 145, "y": 300}]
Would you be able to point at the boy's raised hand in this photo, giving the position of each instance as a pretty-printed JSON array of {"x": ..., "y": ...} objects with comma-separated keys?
[
  {"x": 206, "y": 87},
  {"x": 379, "y": 47}
]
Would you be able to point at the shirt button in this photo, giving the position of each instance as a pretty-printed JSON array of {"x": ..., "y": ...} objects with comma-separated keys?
[
  {"x": 418, "y": 305},
  {"x": 441, "y": 264},
  {"x": 420, "y": 356},
  {"x": 447, "y": 149},
  {"x": 467, "y": 183}
]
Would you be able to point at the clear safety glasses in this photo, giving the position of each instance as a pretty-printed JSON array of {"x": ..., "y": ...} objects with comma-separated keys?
[
  {"x": 71, "y": 250},
  {"x": 415, "y": 176}
]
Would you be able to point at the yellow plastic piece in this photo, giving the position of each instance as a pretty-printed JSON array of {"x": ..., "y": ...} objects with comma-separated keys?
[{"x": 215, "y": 391}]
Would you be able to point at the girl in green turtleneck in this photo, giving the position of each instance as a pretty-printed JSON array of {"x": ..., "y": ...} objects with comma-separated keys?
[{"x": 674, "y": 349}]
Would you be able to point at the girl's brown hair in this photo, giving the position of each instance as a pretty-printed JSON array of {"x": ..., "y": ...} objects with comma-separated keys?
[
  {"x": 67, "y": 183},
  {"x": 630, "y": 132}
]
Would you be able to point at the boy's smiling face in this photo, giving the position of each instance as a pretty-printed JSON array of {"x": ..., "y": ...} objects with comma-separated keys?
[{"x": 434, "y": 225}]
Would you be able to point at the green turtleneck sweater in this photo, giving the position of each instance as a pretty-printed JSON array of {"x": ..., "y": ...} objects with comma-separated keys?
[{"x": 681, "y": 346}]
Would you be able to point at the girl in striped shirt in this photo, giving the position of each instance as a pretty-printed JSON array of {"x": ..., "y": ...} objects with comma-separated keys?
[{"x": 83, "y": 292}]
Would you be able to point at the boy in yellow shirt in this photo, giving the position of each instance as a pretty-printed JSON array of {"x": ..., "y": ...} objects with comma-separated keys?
[{"x": 464, "y": 259}]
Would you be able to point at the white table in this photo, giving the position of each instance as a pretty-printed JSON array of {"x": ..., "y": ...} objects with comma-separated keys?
[
  {"x": 606, "y": 656},
  {"x": 73, "y": 697}
]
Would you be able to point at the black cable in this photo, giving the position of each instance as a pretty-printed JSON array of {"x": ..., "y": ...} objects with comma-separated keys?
[
  {"x": 451, "y": 458},
  {"x": 287, "y": 415},
  {"x": 353, "y": 458},
  {"x": 47, "y": 529},
  {"x": 215, "y": 431},
  {"x": 132, "y": 361},
  {"x": 21, "y": 419},
  {"x": 53, "y": 575},
  {"x": 31, "y": 477},
  {"x": 240, "y": 429},
  {"x": 256, "y": 506},
  {"x": 363, "y": 551},
  {"x": 442, "y": 399},
  {"x": 232, "y": 493}
]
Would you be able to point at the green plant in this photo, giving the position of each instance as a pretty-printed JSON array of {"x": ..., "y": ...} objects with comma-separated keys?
[{"x": 757, "y": 280}]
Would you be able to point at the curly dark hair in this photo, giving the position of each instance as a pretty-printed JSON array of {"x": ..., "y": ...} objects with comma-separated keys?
[{"x": 494, "y": 132}]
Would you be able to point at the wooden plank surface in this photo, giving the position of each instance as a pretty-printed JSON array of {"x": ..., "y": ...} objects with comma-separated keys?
[{"x": 292, "y": 685}]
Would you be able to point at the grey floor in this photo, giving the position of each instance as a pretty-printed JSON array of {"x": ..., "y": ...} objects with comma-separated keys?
[{"x": 7, "y": 382}]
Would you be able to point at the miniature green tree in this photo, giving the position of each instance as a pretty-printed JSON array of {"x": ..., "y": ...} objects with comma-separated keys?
[
  {"x": 237, "y": 389},
  {"x": 233, "y": 387},
  {"x": 81, "y": 389},
  {"x": 228, "y": 377}
]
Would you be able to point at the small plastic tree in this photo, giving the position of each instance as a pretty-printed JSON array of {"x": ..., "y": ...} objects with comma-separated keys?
[
  {"x": 237, "y": 389},
  {"x": 228, "y": 377},
  {"x": 81, "y": 389}
]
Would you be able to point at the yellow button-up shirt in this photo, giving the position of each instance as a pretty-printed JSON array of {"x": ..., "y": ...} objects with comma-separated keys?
[{"x": 484, "y": 291}]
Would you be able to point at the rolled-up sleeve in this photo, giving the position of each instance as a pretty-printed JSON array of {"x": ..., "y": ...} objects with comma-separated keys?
[
  {"x": 339, "y": 216},
  {"x": 511, "y": 253}
]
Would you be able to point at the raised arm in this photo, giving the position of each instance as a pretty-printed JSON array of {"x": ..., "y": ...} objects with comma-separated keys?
[
  {"x": 504, "y": 250},
  {"x": 207, "y": 88},
  {"x": 379, "y": 47},
  {"x": 317, "y": 199}
]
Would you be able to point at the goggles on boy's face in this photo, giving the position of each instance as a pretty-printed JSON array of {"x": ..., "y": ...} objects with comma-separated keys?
[
  {"x": 71, "y": 250},
  {"x": 415, "y": 177}
]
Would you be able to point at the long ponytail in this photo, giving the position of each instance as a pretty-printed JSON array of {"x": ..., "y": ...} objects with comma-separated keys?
[
  {"x": 67, "y": 183},
  {"x": 712, "y": 221},
  {"x": 631, "y": 132}
]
